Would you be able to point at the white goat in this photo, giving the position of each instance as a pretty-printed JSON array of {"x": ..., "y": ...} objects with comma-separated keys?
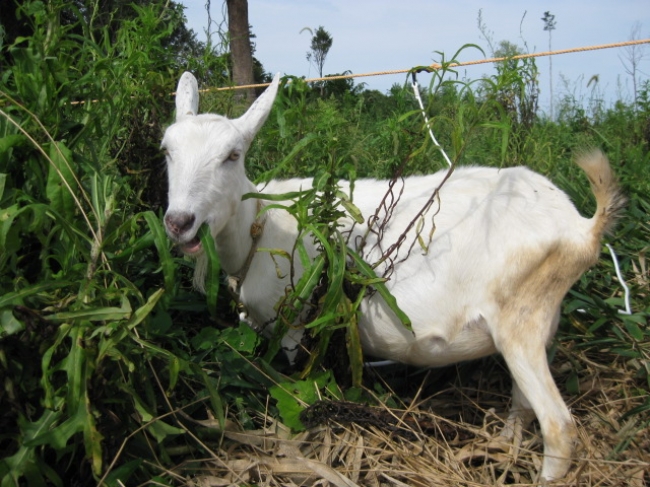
[{"x": 508, "y": 245}]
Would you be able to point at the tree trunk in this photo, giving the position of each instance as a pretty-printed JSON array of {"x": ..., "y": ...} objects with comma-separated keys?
[{"x": 240, "y": 48}]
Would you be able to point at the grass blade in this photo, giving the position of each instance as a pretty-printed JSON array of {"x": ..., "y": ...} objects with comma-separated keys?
[{"x": 212, "y": 275}]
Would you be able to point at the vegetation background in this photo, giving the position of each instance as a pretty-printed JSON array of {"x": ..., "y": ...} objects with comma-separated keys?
[{"x": 112, "y": 369}]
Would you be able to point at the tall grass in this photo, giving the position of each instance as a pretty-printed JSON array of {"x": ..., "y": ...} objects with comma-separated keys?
[
  {"x": 109, "y": 360},
  {"x": 82, "y": 296}
]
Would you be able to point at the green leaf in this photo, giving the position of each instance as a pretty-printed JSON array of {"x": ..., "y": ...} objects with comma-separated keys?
[
  {"x": 161, "y": 430},
  {"x": 363, "y": 280},
  {"x": 323, "y": 320},
  {"x": 633, "y": 328},
  {"x": 336, "y": 273},
  {"x": 278, "y": 197},
  {"x": 58, "y": 436},
  {"x": 212, "y": 275},
  {"x": 206, "y": 338},
  {"x": 96, "y": 314},
  {"x": 60, "y": 180},
  {"x": 303, "y": 255},
  {"x": 144, "y": 242},
  {"x": 292, "y": 397},
  {"x": 242, "y": 338},
  {"x": 276, "y": 253},
  {"x": 637, "y": 410},
  {"x": 158, "y": 351},
  {"x": 573, "y": 383},
  {"x": 7, "y": 243},
  {"x": 92, "y": 438},
  {"x": 355, "y": 353},
  {"x": 25, "y": 460},
  {"x": 174, "y": 371},
  {"x": 120, "y": 476},
  {"x": 75, "y": 365},
  {"x": 351, "y": 208},
  {"x": 51, "y": 399},
  {"x": 295, "y": 150},
  {"x": 381, "y": 289},
  {"x": 145, "y": 310},
  {"x": 9, "y": 325},
  {"x": 211, "y": 386},
  {"x": 162, "y": 246},
  {"x": 303, "y": 290},
  {"x": 321, "y": 181},
  {"x": 3, "y": 180},
  {"x": 144, "y": 412},
  {"x": 10, "y": 141},
  {"x": 318, "y": 353},
  {"x": 597, "y": 324}
]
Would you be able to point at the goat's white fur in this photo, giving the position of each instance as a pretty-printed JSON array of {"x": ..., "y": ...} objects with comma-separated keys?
[{"x": 508, "y": 245}]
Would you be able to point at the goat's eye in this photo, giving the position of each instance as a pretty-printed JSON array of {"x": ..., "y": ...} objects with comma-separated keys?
[{"x": 234, "y": 155}]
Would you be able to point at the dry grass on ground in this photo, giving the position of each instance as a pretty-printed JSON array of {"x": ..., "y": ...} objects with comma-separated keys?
[{"x": 462, "y": 451}]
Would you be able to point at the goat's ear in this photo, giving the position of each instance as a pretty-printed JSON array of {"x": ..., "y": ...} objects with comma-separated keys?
[
  {"x": 251, "y": 121},
  {"x": 187, "y": 96}
]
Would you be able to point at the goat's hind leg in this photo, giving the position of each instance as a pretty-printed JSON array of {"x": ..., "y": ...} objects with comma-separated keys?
[
  {"x": 520, "y": 416},
  {"x": 533, "y": 387}
]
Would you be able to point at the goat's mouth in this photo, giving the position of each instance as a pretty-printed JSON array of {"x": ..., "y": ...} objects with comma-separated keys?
[{"x": 192, "y": 247}]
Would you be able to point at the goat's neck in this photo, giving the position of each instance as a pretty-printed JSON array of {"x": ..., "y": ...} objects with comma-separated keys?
[{"x": 234, "y": 242}]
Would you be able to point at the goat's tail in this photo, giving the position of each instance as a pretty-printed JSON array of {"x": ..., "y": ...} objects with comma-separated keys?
[{"x": 610, "y": 201}]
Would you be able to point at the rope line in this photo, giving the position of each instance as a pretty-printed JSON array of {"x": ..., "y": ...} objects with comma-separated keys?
[{"x": 436, "y": 66}]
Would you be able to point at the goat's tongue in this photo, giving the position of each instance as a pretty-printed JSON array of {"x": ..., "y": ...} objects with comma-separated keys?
[{"x": 191, "y": 247}]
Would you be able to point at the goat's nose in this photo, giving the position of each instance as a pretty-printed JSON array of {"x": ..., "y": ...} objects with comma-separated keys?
[{"x": 178, "y": 223}]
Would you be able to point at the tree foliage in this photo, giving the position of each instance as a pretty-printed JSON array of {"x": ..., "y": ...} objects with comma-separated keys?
[{"x": 321, "y": 43}]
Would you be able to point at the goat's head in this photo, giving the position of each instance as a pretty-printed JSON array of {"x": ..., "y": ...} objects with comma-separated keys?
[{"x": 205, "y": 163}]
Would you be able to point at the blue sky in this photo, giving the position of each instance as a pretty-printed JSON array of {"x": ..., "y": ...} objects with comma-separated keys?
[{"x": 378, "y": 35}]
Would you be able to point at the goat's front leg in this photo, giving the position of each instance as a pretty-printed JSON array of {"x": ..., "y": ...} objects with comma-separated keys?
[{"x": 534, "y": 388}]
